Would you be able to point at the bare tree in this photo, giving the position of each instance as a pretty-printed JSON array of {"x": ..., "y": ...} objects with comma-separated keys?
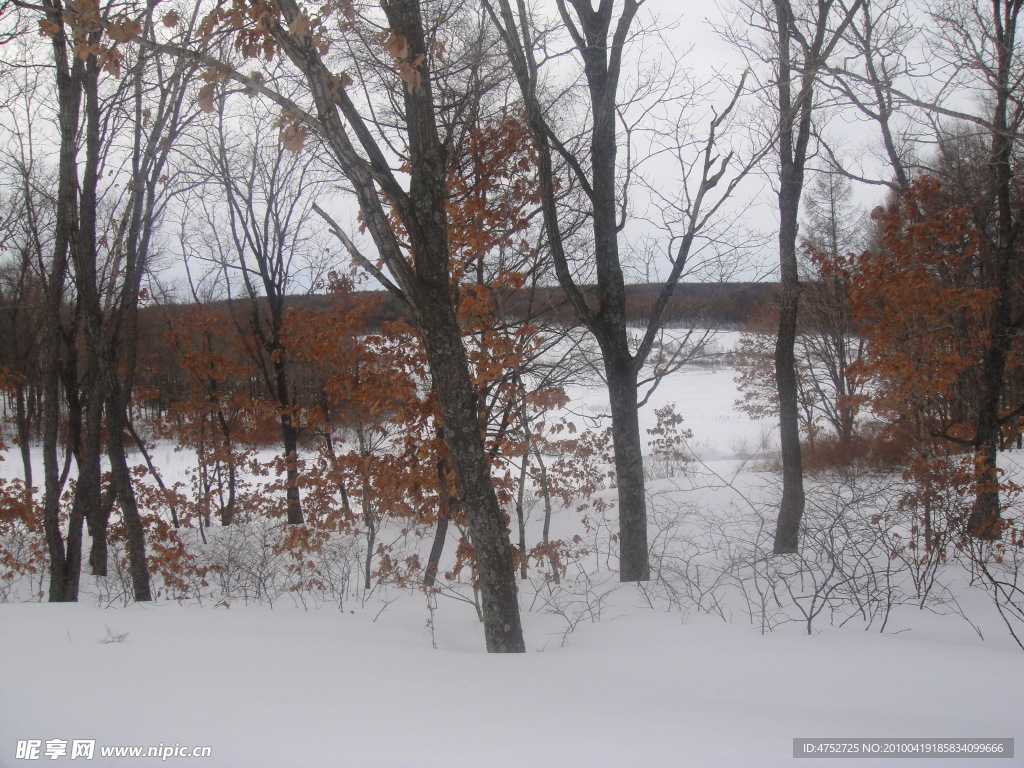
[
  {"x": 829, "y": 344},
  {"x": 257, "y": 198},
  {"x": 879, "y": 40},
  {"x": 793, "y": 42},
  {"x": 593, "y": 162}
]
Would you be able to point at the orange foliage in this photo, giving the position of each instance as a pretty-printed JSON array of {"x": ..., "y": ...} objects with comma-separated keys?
[
  {"x": 22, "y": 541},
  {"x": 924, "y": 313}
]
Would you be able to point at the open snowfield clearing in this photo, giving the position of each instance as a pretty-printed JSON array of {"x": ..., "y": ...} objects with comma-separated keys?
[{"x": 613, "y": 676}]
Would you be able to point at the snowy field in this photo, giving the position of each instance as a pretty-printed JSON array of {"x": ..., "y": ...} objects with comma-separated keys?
[{"x": 668, "y": 675}]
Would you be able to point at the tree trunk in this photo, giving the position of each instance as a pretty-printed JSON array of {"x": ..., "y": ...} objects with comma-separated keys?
[
  {"x": 795, "y": 111},
  {"x": 120, "y": 478},
  {"x": 227, "y": 512},
  {"x": 487, "y": 526},
  {"x": 437, "y": 548},
  {"x": 290, "y": 441},
  {"x": 24, "y": 438},
  {"x": 444, "y": 515},
  {"x": 421, "y": 269},
  {"x": 520, "y": 512},
  {"x": 791, "y": 510},
  {"x": 634, "y": 560},
  {"x": 89, "y": 489},
  {"x": 556, "y": 568}
]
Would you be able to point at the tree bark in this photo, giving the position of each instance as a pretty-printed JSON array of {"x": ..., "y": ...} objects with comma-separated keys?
[
  {"x": 487, "y": 525},
  {"x": 791, "y": 509},
  {"x": 634, "y": 561}
]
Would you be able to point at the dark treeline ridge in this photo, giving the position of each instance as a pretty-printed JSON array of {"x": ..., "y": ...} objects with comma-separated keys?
[{"x": 733, "y": 305}]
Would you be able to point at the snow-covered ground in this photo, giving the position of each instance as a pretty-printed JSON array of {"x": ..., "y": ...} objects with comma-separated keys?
[
  {"x": 614, "y": 675},
  {"x": 285, "y": 687}
]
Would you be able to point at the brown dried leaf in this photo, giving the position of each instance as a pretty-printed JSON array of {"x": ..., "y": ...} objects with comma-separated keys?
[
  {"x": 123, "y": 30},
  {"x": 397, "y": 46},
  {"x": 410, "y": 74},
  {"x": 340, "y": 82},
  {"x": 206, "y": 97},
  {"x": 110, "y": 60},
  {"x": 300, "y": 27},
  {"x": 293, "y": 136},
  {"x": 48, "y": 28}
]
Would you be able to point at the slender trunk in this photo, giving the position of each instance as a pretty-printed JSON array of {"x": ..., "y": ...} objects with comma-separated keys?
[
  {"x": 437, "y": 548},
  {"x": 205, "y": 484},
  {"x": 227, "y": 512},
  {"x": 795, "y": 111},
  {"x": 24, "y": 438},
  {"x": 65, "y": 564},
  {"x": 62, "y": 561},
  {"x": 329, "y": 444},
  {"x": 556, "y": 568},
  {"x": 787, "y": 531},
  {"x": 289, "y": 432},
  {"x": 89, "y": 489},
  {"x": 367, "y": 507},
  {"x": 371, "y": 540},
  {"x": 446, "y": 503},
  {"x": 520, "y": 512}
]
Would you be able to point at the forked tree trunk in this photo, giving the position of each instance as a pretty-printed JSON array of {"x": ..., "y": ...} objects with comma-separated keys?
[
  {"x": 65, "y": 563},
  {"x": 121, "y": 480}
]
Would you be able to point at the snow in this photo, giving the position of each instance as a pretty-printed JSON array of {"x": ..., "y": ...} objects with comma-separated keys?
[
  {"x": 614, "y": 675},
  {"x": 326, "y": 688}
]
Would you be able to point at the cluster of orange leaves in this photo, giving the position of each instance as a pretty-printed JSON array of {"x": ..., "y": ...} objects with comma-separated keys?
[{"x": 925, "y": 314}]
